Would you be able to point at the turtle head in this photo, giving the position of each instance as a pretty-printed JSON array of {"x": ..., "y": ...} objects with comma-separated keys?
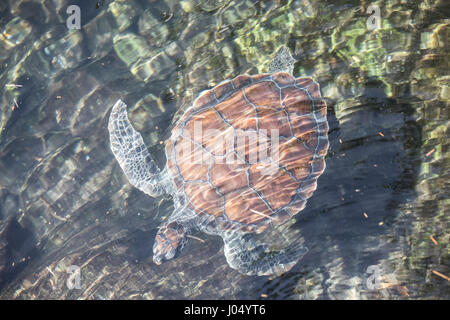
[{"x": 167, "y": 241}]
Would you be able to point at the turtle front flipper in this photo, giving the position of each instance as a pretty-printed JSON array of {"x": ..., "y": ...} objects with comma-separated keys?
[
  {"x": 132, "y": 154},
  {"x": 249, "y": 258}
]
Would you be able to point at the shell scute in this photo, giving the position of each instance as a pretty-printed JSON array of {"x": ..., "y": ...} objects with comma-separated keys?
[
  {"x": 307, "y": 188},
  {"x": 235, "y": 108},
  {"x": 246, "y": 207},
  {"x": 296, "y": 100},
  {"x": 207, "y": 98},
  {"x": 293, "y": 153},
  {"x": 194, "y": 172},
  {"x": 272, "y": 119},
  {"x": 303, "y": 82},
  {"x": 265, "y": 93},
  {"x": 269, "y": 186},
  {"x": 219, "y": 143},
  {"x": 261, "y": 77},
  {"x": 302, "y": 125},
  {"x": 248, "y": 145},
  {"x": 314, "y": 90},
  {"x": 223, "y": 89},
  {"x": 204, "y": 197},
  {"x": 296, "y": 206},
  {"x": 283, "y": 79},
  {"x": 320, "y": 110},
  {"x": 241, "y": 81},
  {"x": 228, "y": 177}
]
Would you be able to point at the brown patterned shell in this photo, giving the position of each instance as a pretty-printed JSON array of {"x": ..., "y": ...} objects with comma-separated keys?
[{"x": 216, "y": 173}]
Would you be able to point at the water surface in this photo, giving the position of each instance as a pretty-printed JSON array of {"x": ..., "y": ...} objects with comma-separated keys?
[{"x": 381, "y": 204}]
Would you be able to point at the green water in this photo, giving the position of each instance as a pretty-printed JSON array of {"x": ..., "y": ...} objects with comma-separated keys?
[{"x": 382, "y": 202}]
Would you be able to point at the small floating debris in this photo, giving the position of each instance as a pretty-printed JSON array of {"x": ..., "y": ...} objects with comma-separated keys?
[
  {"x": 51, "y": 272},
  {"x": 224, "y": 28},
  {"x": 381, "y": 133},
  {"x": 429, "y": 153},
  {"x": 359, "y": 8},
  {"x": 365, "y": 215},
  {"x": 434, "y": 240},
  {"x": 443, "y": 276},
  {"x": 264, "y": 295},
  {"x": 167, "y": 16},
  {"x": 196, "y": 238},
  {"x": 13, "y": 85},
  {"x": 356, "y": 59},
  {"x": 261, "y": 214},
  {"x": 13, "y": 107},
  {"x": 58, "y": 97},
  {"x": 380, "y": 223},
  {"x": 340, "y": 141}
]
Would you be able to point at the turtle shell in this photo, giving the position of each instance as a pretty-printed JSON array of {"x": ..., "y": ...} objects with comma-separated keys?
[{"x": 211, "y": 152}]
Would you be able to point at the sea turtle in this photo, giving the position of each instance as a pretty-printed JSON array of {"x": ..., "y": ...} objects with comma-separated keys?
[{"x": 217, "y": 184}]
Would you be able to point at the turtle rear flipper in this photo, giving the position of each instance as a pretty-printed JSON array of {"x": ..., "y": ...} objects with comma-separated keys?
[
  {"x": 245, "y": 256},
  {"x": 132, "y": 154}
]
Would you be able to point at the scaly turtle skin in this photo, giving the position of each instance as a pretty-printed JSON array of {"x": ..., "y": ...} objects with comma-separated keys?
[{"x": 244, "y": 157}]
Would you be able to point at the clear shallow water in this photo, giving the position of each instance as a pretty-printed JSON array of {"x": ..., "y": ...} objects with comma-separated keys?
[{"x": 382, "y": 200}]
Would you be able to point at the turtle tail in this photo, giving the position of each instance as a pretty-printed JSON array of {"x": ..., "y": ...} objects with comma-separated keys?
[
  {"x": 130, "y": 151},
  {"x": 251, "y": 259}
]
